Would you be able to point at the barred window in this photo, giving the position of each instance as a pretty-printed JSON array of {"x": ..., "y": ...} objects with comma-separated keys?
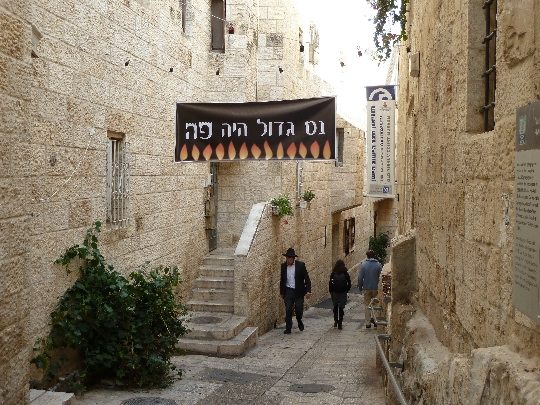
[
  {"x": 340, "y": 140},
  {"x": 489, "y": 74},
  {"x": 117, "y": 180},
  {"x": 348, "y": 235},
  {"x": 314, "y": 45}
]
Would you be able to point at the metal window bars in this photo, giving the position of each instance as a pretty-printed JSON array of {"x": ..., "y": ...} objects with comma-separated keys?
[
  {"x": 489, "y": 75},
  {"x": 117, "y": 183}
]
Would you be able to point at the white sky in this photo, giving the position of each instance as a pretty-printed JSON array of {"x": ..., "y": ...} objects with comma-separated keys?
[{"x": 343, "y": 26}]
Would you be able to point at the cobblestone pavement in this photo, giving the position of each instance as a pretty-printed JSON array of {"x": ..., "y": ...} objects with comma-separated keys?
[{"x": 321, "y": 365}]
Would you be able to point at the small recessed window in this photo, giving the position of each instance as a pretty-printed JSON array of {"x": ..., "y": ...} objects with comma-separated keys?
[
  {"x": 117, "y": 180},
  {"x": 348, "y": 235},
  {"x": 218, "y": 24},
  {"x": 340, "y": 141},
  {"x": 489, "y": 75}
]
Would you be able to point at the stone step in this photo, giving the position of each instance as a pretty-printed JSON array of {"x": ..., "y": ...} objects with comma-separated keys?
[
  {"x": 214, "y": 326},
  {"x": 213, "y": 295},
  {"x": 214, "y": 282},
  {"x": 217, "y": 260},
  {"x": 232, "y": 347},
  {"x": 207, "y": 306},
  {"x": 211, "y": 270},
  {"x": 42, "y": 397}
]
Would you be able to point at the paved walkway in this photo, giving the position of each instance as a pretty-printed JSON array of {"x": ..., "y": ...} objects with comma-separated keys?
[{"x": 320, "y": 365}]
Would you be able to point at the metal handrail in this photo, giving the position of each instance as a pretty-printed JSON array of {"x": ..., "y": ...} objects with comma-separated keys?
[
  {"x": 387, "y": 366},
  {"x": 372, "y": 310}
]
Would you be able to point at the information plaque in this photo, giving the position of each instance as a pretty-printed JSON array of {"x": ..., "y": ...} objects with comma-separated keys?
[{"x": 526, "y": 291}]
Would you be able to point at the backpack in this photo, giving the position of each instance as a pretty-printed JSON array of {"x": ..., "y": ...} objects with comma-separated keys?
[{"x": 339, "y": 283}]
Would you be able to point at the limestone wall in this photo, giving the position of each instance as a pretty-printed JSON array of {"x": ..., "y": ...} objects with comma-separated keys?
[
  {"x": 102, "y": 68},
  {"x": 456, "y": 186},
  {"x": 15, "y": 127}
]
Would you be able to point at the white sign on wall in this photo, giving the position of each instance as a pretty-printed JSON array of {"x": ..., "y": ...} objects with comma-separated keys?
[
  {"x": 526, "y": 291},
  {"x": 380, "y": 142}
]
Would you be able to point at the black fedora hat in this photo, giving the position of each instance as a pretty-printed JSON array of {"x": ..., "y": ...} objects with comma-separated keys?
[{"x": 290, "y": 253}]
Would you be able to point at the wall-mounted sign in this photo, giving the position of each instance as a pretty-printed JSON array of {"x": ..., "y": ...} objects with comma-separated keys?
[
  {"x": 526, "y": 295},
  {"x": 380, "y": 141},
  {"x": 302, "y": 129}
]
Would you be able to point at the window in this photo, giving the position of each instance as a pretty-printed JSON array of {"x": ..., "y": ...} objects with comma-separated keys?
[
  {"x": 301, "y": 44},
  {"x": 340, "y": 139},
  {"x": 117, "y": 180},
  {"x": 489, "y": 74},
  {"x": 314, "y": 45},
  {"x": 218, "y": 25},
  {"x": 184, "y": 11},
  {"x": 348, "y": 235}
]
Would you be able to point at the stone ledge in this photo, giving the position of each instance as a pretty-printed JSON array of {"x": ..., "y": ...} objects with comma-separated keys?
[{"x": 42, "y": 397}]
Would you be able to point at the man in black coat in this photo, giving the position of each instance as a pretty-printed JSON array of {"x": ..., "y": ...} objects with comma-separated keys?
[{"x": 294, "y": 284}]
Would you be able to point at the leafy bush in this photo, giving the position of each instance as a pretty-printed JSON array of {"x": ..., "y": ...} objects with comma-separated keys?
[
  {"x": 281, "y": 206},
  {"x": 308, "y": 195},
  {"x": 379, "y": 244},
  {"x": 123, "y": 329}
]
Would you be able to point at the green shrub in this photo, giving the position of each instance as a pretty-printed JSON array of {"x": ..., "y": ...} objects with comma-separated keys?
[
  {"x": 125, "y": 329},
  {"x": 281, "y": 206},
  {"x": 379, "y": 244}
]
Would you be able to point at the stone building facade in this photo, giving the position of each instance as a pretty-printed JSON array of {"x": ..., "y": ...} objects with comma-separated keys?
[
  {"x": 85, "y": 81},
  {"x": 453, "y": 321}
]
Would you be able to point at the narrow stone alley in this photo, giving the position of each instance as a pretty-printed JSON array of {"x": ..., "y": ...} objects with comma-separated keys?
[{"x": 321, "y": 365}]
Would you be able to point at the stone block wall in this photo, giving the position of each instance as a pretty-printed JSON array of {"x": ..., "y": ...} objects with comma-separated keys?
[
  {"x": 104, "y": 67},
  {"x": 16, "y": 286},
  {"x": 456, "y": 186}
]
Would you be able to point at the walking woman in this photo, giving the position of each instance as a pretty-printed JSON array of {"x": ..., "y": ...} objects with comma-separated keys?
[{"x": 339, "y": 286}]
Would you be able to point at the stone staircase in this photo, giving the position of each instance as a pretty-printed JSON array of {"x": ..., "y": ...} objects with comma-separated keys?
[{"x": 215, "y": 330}]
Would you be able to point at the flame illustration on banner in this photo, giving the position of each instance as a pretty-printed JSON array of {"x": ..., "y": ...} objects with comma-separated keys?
[
  {"x": 207, "y": 152},
  {"x": 243, "y": 151},
  {"x": 232, "y": 151},
  {"x": 291, "y": 150},
  {"x": 183, "y": 153},
  {"x": 195, "y": 153},
  {"x": 255, "y": 151},
  {"x": 315, "y": 149},
  {"x": 327, "y": 153},
  {"x": 220, "y": 151},
  {"x": 302, "y": 150},
  {"x": 279, "y": 152},
  {"x": 268, "y": 150}
]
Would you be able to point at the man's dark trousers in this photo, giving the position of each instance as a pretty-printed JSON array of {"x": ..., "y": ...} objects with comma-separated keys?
[{"x": 290, "y": 300}]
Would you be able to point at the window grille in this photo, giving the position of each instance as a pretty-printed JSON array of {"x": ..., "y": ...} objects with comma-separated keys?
[
  {"x": 314, "y": 44},
  {"x": 348, "y": 235},
  {"x": 340, "y": 138},
  {"x": 489, "y": 75},
  {"x": 117, "y": 181}
]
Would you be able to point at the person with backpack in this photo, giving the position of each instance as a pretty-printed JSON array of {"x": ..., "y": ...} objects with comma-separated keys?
[{"x": 339, "y": 286}]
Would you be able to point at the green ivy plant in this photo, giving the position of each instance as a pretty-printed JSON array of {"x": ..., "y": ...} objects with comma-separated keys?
[
  {"x": 308, "y": 195},
  {"x": 281, "y": 206},
  {"x": 388, "y": 13},
  {"x": 379, "y": 244},
  {"x": 126, "y": 329}
]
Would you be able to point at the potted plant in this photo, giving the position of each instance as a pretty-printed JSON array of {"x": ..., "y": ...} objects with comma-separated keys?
[
  {"x": 307, "y": 196},
  {"x": 281, "y": 206}
]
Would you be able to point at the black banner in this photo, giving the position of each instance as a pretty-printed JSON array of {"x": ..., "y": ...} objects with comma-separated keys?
[{"x": 291, "y": 129}]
